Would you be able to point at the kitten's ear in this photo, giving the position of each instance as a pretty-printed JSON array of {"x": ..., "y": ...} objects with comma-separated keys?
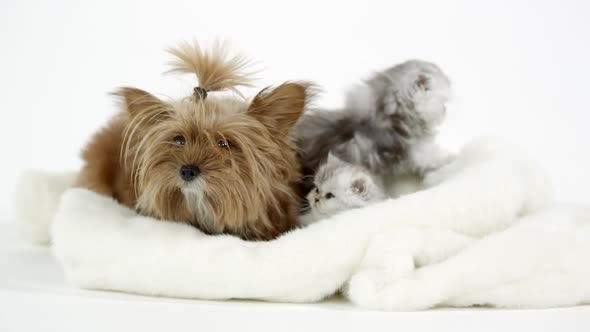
[
  {"x": 141, "y": 103},
  {"x": 281, "y": 107},
  {"x": 359, "y": 186},
  {"x": 423, "y": 82},
  {"x": 332, "y": 159}
]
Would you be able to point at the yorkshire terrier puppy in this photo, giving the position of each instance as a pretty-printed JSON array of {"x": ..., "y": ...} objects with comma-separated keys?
[{"x": 217, "y": 162}]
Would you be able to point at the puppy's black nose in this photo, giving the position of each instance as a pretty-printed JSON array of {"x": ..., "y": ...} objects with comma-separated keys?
[{"x": 189, "y": 172}]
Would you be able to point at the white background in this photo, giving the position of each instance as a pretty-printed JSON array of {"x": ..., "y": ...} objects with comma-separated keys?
[{"x": 520, "y": 69}]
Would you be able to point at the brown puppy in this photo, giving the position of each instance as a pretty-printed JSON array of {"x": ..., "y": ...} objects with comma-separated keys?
[{"x": 216, "y": 162}]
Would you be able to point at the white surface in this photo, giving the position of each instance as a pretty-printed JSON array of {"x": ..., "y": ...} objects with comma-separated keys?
[
  {"x": 519, "y": 68},
  {"x": 34, "y": 297}
]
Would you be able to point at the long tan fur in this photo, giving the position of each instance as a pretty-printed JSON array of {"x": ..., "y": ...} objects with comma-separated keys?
[
  {"x": 246, "y": 186},
  {"x": 216, "y": 69}
]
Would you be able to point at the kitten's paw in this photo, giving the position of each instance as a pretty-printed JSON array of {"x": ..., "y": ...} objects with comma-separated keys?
[
  {"x": 390, "y": 103},
  {"x": 427, "y": 158},
  {"x": 433, "y": 172}
]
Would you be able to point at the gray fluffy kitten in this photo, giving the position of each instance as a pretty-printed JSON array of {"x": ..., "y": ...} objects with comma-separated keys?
[
  {"x": 340, "y": 186},
  {"x": 388, "y": 125}
]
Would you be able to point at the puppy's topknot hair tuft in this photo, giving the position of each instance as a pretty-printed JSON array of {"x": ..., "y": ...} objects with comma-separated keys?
[{"x": 215, "y": 68}]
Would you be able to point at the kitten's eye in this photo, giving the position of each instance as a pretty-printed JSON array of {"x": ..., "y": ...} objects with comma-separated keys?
[
  {"x": 329, "y": 195},
  {"x": 179, "y": 140},
  {"x": 317, "y": 190},
  {"x": 223, "y": 144}
]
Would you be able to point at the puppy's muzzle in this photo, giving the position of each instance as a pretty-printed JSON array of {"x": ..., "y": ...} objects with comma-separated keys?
[{"x": 189, "y": 172}]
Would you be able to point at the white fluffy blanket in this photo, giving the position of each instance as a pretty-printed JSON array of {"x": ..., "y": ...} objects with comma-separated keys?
[{"x": 485, "y": 233}]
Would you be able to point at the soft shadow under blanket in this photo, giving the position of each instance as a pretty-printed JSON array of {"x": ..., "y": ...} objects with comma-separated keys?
[{"x": 485, "y": 232}]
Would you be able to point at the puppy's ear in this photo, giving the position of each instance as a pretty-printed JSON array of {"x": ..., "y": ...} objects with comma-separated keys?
[
  {"x": 280, "y": 108},
  {"x": 141, "y": 103}
]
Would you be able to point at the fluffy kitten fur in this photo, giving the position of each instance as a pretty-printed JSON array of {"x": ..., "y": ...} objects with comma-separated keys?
[
  {"x": 244, "y": 172},
  {"x": 388, "y": 125},
  {"x": 340, "y": 186}
]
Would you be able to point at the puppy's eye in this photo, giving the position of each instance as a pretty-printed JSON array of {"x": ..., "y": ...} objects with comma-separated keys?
[
  {"x": 223, "y": 144},
  {"x": 329, "y": 195},
  {"x": 179, "y": 140}
]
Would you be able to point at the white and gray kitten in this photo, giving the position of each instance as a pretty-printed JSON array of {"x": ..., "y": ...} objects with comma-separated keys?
[
  {"x": 388, "y": 126},
  {"x": 340, "y": 186}
]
